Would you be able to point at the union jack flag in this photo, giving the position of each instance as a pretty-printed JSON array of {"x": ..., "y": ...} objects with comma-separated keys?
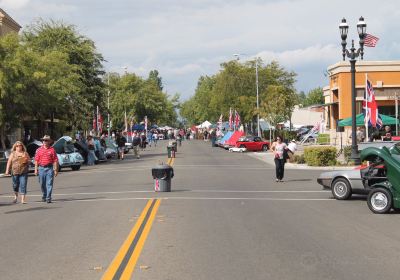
[{"x": 371, "y": 115}]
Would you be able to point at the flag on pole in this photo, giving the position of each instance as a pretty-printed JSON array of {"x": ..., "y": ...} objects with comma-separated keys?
[
  {"x": 370, "y": 106},
  {"x": 370, "y": 40},
  {"x": 126, "y": 123},
  {"x": 220, "y": 123},
  {"x": 230, "y": 118},
  {"x": 237, "y": 119},
  {"x": 99, "y": 123}
]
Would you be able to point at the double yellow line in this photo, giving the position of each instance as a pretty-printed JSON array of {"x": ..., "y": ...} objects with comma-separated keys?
[
  {"x": 171, "y": 161},
  {"x": 125, "y": 261}
]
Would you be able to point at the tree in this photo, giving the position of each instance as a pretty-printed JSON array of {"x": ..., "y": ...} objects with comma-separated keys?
[
  {"x": 234, "y": 87},
  {"x": 314, "y": 96},
  {"x": 139, "y": 98},
  {"x": 81, "y": 54},
  {"x": 277, "y": 105},
  {"x": 153, "y": 76}
]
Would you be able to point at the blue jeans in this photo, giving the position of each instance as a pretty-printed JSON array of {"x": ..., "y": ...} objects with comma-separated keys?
[
  {"x": 46, "y": 177},
  {"x": 19, "y": 183}
]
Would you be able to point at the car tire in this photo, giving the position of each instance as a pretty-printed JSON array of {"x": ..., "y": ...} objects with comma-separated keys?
[
  {"x": 265, "y": 148},
  {"x": 75, "y": 167},
  {"x": 380, "y": 200},
  {"x": 341, "y": 189}
]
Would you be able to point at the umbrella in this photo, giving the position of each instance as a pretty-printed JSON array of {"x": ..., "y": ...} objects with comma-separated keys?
[{"x": 386, "y": 120}]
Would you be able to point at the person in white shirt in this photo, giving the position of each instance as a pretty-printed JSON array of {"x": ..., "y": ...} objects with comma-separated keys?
[{"x": 292, "y": 148}]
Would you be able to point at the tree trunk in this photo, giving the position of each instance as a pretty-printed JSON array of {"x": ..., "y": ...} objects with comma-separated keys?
[{"x": 3, "y": 137}]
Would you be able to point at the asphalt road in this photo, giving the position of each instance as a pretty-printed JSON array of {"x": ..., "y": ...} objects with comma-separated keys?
[{"x": 226, "y": 218}]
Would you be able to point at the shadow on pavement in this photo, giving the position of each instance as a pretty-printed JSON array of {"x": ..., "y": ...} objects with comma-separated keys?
[
  {"x": 30, "y": 209},
  {"x": 77, "y": 199}
]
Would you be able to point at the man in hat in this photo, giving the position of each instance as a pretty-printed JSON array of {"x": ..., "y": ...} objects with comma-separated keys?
[
  {"x": 292, "y": 148},
  {"x": 46, "y": 166}
]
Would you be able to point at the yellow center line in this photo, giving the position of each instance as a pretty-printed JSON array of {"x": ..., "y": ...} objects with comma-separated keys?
[
  {"x": 112, "y": 269},
  {"x": 135, "y": 256}
]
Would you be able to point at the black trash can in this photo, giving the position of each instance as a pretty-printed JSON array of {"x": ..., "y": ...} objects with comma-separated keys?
[{"x": 162, "y": 175}]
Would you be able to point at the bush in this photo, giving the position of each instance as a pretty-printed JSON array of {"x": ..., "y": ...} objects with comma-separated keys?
[
  {"x": 323, "y": 139},
  {"x": 347, "y": 153},
  {"x": 320, "y": 156},
  {"x": 299, "y": 159}
]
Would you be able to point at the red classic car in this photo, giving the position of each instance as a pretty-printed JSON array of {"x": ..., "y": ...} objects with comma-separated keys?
[{"x": 253, "y": 143}]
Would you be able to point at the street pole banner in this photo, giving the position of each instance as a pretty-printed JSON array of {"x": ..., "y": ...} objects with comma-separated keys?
[{"x": 145, "y": 124}]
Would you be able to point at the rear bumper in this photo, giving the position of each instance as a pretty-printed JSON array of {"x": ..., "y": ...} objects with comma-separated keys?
[{"x": 325, "y": 182}]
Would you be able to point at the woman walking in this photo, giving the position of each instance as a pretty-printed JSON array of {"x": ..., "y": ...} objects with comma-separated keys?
[
  {"x": 279, "y": 148},
  {"x": 18, "y": 163}
]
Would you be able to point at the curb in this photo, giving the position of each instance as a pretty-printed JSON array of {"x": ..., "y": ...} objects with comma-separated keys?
[{"x": 268, "y": 159}]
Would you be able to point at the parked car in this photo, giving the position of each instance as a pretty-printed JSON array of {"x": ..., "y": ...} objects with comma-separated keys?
[
  {"x": 112, "y": 148},
  {"x": 343, "y": 183},
  {"x": 385, "y": 187},
  {"x": 67, "y": 154},
  {"x": 253, "y": 143}
]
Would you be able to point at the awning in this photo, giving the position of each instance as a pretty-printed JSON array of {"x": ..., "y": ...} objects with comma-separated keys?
[{"x": 386, "y": 120}]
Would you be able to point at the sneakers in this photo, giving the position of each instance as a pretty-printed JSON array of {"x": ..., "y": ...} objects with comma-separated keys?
[
  {"x": 43, "y": 199},
  {"x": 49, "y": 201}
]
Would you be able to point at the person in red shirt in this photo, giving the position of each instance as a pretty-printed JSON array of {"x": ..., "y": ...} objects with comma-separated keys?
[{"x": 46, "y": 166}]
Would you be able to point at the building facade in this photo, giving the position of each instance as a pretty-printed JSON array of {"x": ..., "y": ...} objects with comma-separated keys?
[
  {"x": 384, "y": 77},
  {"x": 7, "y": 24}
]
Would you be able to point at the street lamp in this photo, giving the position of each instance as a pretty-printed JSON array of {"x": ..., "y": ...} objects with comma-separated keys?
[
  {"x": 353, "y": 54},
  {"x": 258, "y": 114}
]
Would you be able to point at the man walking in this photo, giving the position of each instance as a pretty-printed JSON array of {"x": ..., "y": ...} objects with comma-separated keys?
[{"x": 46, "y": 166}]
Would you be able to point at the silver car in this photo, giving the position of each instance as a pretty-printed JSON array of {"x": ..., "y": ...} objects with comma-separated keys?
[{"x": 343, "y": 183}]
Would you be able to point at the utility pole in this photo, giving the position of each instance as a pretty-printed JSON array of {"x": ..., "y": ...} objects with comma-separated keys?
[{"x": 108, "y": 105}]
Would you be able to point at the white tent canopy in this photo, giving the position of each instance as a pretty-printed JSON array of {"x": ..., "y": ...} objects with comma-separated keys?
[{"x": 205, "y": 124}]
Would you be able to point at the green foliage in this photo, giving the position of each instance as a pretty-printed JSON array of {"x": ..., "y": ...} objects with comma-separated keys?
[
  {"x": 234, "y": 87},
  {"x": 139, "y": 98},
  {"x": 299, "y": 159},
  {"x": 52, "y": 71},
  {"x": 323, "y": 139},
  {"x": 320, "y": 156},
  {"x": 347, "y": 153},
  {"x": 313, "y": 97}
]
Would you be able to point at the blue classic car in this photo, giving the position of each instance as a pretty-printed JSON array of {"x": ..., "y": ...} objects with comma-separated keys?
[{"x": 66, "y": 152}]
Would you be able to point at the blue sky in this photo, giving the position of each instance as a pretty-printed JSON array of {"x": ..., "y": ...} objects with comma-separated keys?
[{"x": 187, "y": 39}]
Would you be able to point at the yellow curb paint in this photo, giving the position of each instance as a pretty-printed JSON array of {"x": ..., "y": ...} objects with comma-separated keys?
[
  {"x": 112, "y": 269},
  {"x": 139, "y": 246}
]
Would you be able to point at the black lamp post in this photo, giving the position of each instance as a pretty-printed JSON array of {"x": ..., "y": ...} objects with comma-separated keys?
[{"x": 353, "y": 54}]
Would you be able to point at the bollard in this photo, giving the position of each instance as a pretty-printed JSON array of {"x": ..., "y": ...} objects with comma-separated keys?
[{"x": 162, "y": 175}]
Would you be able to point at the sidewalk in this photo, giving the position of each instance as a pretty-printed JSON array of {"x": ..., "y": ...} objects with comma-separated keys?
[{"x": 268, "y": 157}]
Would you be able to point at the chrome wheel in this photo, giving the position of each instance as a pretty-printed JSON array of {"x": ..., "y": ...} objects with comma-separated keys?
[
  {"x": 379, "y": 201},
  {"x": 341, "y": 189}
]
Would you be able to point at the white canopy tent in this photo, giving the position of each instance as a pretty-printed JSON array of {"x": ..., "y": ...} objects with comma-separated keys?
[{"x": 205, "y": 124}]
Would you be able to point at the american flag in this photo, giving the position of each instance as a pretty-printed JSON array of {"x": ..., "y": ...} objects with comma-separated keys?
[
  {"x": 220, "y": 122},
  {"x": 237, "y": 119},
  {"x": 370, "y": 106},
  {"x": 370, "y": 41}
]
